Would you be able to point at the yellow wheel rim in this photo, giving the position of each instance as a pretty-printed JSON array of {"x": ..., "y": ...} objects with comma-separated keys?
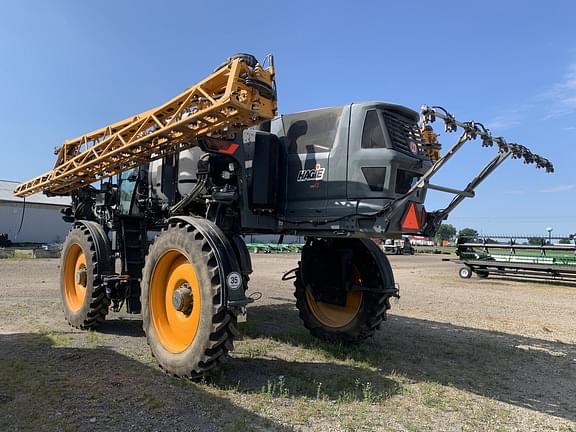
[
  {"x": 75, "y": 277},
  {"x": 333, "y": 315},
  {"x": 336, "y": 316},
  {"x": 174, "y": 280}
]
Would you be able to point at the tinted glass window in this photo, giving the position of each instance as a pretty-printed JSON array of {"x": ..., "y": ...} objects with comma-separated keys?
[
  {"x": 372, "y": 135},
  {"x": 312, "y": 131},
  {"x": 127, "y": 184},
  {"x": 375, "y": 177},
  {"x": 405, "y": 180}
]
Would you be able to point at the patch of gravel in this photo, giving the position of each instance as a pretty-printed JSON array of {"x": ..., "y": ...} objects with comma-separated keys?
[{"x": 476, "y": 354}]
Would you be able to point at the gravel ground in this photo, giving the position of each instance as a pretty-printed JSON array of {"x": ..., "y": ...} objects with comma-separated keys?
[{"x": 476, "y": 354}]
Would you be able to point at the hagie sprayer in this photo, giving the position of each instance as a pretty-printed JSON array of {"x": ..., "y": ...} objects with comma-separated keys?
[{"x": 215, "y": 163}]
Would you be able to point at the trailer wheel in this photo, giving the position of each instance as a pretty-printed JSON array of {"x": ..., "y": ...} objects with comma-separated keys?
[
  {"x": 185, "y": 318},
  {"x": 465, "y": 272},
  {"x": 84, "y": 298},
  {"x": 363, "y": 311}
]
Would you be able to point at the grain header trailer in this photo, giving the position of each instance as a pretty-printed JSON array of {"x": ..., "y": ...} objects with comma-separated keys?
[
  {"x": 526, "y": 257},
  {"x": 161, "y": 200}
]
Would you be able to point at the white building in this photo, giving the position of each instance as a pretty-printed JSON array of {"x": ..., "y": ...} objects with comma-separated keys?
[{"x": 42, "y": 221}]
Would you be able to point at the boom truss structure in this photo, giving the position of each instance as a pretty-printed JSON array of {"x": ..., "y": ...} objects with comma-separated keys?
[{"x": 238, "y": 95}]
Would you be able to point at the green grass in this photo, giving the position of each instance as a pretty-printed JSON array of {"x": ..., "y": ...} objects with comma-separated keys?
[
  {"x": 445, "y": 250},
  {"x": 93, "y": 337},
  {"x": 58, "y": 339},
  {"x": 153, "y": 402},
  {"x": 21, "y": 390}
]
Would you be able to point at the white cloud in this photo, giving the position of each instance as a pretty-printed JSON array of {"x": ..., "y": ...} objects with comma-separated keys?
[
  {"x": 560, "y": 188},
  {"x": 505, "y": 121},
  {"x": 563, "y": 94},
  {"x": 510, "y": 118}
]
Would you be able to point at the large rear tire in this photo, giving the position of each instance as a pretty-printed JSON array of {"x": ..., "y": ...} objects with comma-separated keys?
[
  {"x": 187, "y": 324},
  {"x": 84, "y": 258},
  {"x": 363, "y": 311}
]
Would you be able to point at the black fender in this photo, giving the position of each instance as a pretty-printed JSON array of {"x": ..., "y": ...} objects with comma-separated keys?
[
  {"x": 383, "y": 264},
  {"x": 227, "y": 262},
  {"x": 104, "y": 256},
  {"x": 242, "y": 253}
]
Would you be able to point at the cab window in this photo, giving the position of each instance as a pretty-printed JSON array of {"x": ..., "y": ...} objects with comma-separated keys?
[
  {"x": 405, "y": 180},
  {"x": 312, "y": 131},
  {"x": 372, "y": 135},
  {"x": 127, "y": 184}
]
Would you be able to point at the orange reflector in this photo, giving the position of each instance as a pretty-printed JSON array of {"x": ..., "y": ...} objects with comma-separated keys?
[
  {"x": 412, "y": 220},
  {"x": 230, "y": 150},
  {"x": 221, "y": 146}
]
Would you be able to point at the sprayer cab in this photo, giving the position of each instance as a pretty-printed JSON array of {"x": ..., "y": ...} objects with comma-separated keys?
[{"x": 335, "y": 170}]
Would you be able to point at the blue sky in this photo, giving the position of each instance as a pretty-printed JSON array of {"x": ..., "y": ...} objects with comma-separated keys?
[{"x": 67, "y": 67}]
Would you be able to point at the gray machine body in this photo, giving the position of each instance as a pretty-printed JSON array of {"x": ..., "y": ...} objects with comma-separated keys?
[{"x": 328, "y": 172}]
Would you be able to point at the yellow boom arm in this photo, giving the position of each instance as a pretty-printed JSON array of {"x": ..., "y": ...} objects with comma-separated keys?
[{"x": 237, "y": 95}]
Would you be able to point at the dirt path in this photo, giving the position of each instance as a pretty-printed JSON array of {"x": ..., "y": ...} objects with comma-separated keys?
[{"x": 477, "y": 354}]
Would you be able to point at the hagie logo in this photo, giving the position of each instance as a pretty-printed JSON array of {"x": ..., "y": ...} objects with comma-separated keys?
[{"x": 311, "y": 174}]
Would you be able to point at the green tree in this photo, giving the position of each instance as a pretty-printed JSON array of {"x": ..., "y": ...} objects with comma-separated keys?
[
  {"x": 536, "y": 241},
  {"x": 468, "y": 232},
  {"x": 564, "y": 241},
  {"x": 445, "y": 232}
]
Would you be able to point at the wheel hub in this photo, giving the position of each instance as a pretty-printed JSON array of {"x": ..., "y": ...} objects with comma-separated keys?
[
  {"x": 81, "y": 276},
  {"x": 182, "y": 298}
]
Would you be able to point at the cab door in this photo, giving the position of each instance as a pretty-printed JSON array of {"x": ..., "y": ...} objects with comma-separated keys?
[{"x": 309, "y": 137}]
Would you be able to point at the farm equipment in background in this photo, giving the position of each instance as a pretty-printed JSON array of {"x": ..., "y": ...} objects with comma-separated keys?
[
  {"x": 216, "y": 163},
  {"x": 397, "y": 247},
  {"x": 514, "y": 256},
  {"x": 274, "y": 248}
]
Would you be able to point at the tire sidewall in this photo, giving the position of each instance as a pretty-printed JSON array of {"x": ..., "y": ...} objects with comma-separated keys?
[
  {"x": 350, "y": 330},
  {"x": 79, "y": 317},
  {"x": 183, "y": 242}
]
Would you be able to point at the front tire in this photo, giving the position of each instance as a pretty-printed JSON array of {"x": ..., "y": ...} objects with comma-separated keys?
[
  {"x": 84, "y": 258},
  {"x": 185, "y": 318},
  {"x": 363, "y": 311}
]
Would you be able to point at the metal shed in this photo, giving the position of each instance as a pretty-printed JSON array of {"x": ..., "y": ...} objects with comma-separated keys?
[{"x": 40, "y": 216}]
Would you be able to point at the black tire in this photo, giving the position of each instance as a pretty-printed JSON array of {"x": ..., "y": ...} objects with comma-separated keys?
[
  {"x": 249, "y": 59},
  {"x": 465, "y": 272},
  {"x": 372, "y": 307},
  {"x": 483, "y": 274},
  {"x": 92, "y": 309},
  {"x": 215, "y": 329}
]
